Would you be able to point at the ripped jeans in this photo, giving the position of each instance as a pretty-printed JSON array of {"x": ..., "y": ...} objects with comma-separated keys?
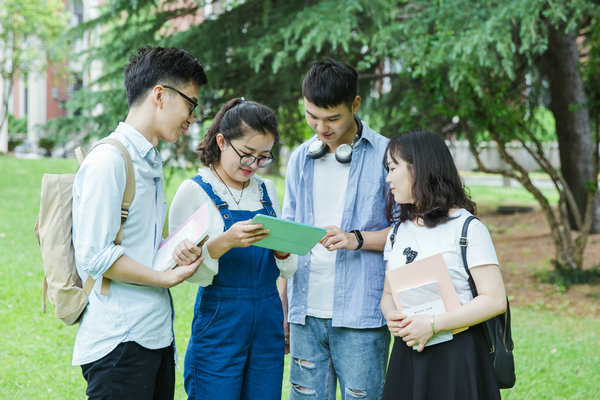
[{"x": 320, "y": 355}]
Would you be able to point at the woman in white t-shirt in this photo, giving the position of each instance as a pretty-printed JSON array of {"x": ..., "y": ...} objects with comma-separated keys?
[{"x": 433, "y": 207}]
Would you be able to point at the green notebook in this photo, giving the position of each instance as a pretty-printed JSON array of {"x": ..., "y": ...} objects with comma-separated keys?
[{"x": 288, "y": 236}]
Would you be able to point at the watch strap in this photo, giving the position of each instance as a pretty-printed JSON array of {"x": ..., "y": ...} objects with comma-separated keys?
[{"x": 359, "y": 238}]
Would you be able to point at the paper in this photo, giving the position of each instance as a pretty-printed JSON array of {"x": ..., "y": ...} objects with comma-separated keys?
[
  {"x": 424, "y": 299},
  {"x": 430, "y": 269},
  {"x": 288, "y": 236},
  {"x": 195, "y": 229}
]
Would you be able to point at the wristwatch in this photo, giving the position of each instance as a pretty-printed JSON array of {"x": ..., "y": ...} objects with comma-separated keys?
[{"x": 359, "y": 238}]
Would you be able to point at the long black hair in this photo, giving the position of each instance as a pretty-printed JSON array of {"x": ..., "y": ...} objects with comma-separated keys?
[
  {"x": 436, "y": 185},
  {"x": 236, "y": 118}
]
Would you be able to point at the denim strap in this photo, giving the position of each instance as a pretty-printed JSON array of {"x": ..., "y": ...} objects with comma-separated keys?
[
  {"x": 221, "y": 205},
  {"x": 266, "y": 201}
]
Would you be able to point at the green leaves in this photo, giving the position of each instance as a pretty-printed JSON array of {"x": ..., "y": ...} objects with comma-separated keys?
[
  {"x": 478, "y": 61},
  {"x": 30, "y": 33},
  {"x": 30, "y": 30}
]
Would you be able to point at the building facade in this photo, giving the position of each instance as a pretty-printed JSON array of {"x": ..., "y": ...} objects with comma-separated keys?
[{"x": 42, "y": 96}]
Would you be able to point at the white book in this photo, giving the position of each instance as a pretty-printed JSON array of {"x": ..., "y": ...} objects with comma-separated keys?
[
  {"x": 423, "y": 299},
  {"x": 195, "y": 229}
]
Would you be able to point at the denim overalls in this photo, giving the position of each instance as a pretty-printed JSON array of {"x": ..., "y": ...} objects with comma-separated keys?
[{"x": 237, "y": 343}]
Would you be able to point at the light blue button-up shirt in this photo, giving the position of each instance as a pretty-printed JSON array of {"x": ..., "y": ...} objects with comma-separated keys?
[
  {"x": 359, "y": 275},
  {"x": 130, "y": 312}
]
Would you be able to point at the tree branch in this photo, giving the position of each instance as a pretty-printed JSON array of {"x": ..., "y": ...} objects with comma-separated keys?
[
  {"x": 377, "y": 76},
  {"x": 562, "y": 237},
  {"x": 558, "y": 180}
]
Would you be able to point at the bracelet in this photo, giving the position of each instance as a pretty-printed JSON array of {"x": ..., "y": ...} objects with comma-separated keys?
[
  {"x": 277, "y": 256},
  {"x": 432, "y": 325},
  {"x": 359, "y": 238}
]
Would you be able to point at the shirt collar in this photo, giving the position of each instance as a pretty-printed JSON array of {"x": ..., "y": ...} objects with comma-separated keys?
[
  {"x": 366, "y": 132},
  {"x": 140, "y": 143}
]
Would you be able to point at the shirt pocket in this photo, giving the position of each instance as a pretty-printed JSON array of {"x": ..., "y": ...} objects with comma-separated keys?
[{"x": 370, "y": 209}]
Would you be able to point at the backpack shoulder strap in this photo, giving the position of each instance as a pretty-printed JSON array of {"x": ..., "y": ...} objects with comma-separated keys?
[
  {"x": 393, "y": 235},
  {"x": 128, "y": 196},
  {"x": 80, "y": 154},
  {"x": 506, "y": 331},
  {"x": 463, "y": 242},
  {"x": 129, "y": 193}
]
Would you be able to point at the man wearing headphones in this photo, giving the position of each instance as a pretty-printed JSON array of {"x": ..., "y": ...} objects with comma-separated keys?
[{"x": 336, "y": 180}]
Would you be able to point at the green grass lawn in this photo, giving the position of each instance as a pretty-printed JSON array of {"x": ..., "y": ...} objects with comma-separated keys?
[
  {"x": 557, "y": 357},
  {"x": 488, "y": 198}
]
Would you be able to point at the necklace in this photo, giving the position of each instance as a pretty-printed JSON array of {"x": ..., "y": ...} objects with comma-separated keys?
[{"x": 227, "y": 187}]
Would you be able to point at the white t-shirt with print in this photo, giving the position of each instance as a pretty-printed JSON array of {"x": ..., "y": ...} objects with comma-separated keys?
[{"x": 417, "y": 242}]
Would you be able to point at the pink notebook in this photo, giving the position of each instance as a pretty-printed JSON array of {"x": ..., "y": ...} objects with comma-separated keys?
[
  {"x": 195, "y": 229},
  {"x": 417, "y": 273}
]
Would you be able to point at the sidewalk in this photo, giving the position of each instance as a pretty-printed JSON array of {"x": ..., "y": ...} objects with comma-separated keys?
[{"x": 482, "y": 179}]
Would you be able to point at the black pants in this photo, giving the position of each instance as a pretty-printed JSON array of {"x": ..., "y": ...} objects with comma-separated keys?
[{"x": 132, "y": 372}]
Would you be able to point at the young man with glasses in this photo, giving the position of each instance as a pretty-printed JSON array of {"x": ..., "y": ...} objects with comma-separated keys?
[
  {"x": 125, "y": 342},
  {"x": 236, "y": 351},
  {"x": 336, "y": 180}
]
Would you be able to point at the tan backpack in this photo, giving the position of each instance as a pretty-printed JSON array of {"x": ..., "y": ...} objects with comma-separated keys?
[{"x": 53, "y": 229}]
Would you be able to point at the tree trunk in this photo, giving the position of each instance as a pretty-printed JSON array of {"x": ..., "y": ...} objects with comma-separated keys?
[
  {"x": 5, "y": 89},
  {"x": 571, "y": 115}
]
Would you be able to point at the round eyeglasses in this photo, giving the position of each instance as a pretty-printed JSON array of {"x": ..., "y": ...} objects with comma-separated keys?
[{"x": 248, "y": 159}]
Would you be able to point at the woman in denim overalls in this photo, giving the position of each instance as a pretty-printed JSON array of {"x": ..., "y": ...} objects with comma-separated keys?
[{"x": 237, "y": 343}]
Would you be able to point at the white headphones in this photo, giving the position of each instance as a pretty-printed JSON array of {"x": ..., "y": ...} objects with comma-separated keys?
[{"x": 343, "y": 153}]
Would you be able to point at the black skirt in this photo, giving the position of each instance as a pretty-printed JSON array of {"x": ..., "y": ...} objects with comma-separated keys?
[{"x": 460, "y": 369}]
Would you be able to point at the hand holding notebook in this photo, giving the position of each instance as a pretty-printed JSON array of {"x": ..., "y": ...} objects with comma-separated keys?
[
  {"x": 423, "y": 299},
  {"x": 194, "y": 229},
  {"x": 422, "y": 272}
]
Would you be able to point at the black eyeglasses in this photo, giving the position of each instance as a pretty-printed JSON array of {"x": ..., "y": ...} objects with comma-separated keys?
[
  {"x": 248, "y": 159},
  {"x": 192, "y": 102}
]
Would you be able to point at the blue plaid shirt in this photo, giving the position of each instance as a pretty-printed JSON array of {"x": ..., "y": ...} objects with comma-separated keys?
[{"x": 359, "y": 274}]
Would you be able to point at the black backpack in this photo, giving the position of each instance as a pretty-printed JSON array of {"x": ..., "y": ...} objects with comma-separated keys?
[{"x": 496, "y": 330}]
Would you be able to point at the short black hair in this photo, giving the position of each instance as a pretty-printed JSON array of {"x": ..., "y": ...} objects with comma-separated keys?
[
  {"x": 330, "y": 83},
  {"x": 436, "y": 184},
  {"x": 154, "y": 65},
  {"x": 234, "y": 120}
]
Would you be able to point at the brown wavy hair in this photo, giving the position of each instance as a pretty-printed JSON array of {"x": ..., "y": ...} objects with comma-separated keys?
[{"x": 436, "y": 184}]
